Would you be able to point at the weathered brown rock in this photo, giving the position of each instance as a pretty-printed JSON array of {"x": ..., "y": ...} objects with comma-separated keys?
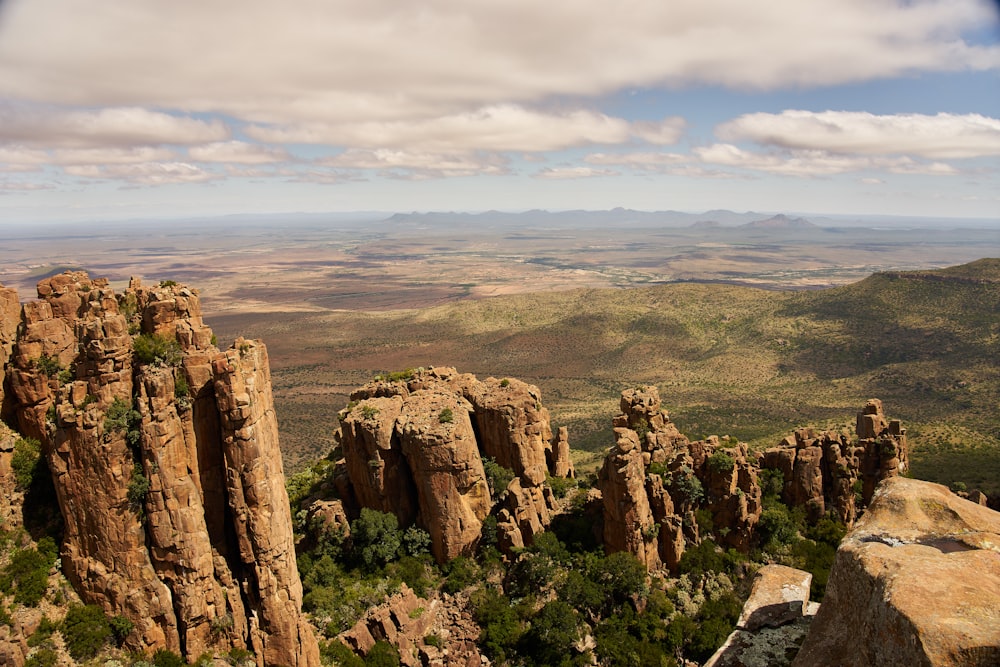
[
  {"x": 405, "y": 619},
  {"x": 820, "y": 468},
  {"x": 168, "y": 559},
  {"x": 379, "y": 473},
  {"x": 452, "y": 491},
  {"x": 390, "y": 424},
  {"x": 10, "y": 316},
  {"x": 628, "y": 519},
  {"x": 779, "y": 595},
  {"x": 917, "y": 582},
  {"x": 526, "y": 512},
  {"x": 262, "y": 520},
  {"x": 653, "y": 465}
]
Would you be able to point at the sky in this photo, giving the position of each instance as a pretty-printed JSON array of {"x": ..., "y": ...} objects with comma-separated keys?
[{"x": 130, "y": 109}]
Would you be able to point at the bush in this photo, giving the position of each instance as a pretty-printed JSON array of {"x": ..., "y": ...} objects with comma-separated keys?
[
  {"x": 560, "y": 485},
  {"x": 122, "y": 418},
  {"x": 382, "y": 654},
  {"x": 43, "y": 657},
  {"x": 462, "y": 573},
  {"x": 138, "y": 487},
  {"x": 26, "y": 462},
  {"x": 446, "y": 416},
  {"x": 772, "y": 482},
  {"x": 155, "y": 349},
  {"x": 50, "y": 366},
  {"x": 377, "y": 538},
  {"x": 165, "y": 658},
  {"x": 121, "y": 627},
  {"x": 369, "y": 411},
  {"x": 86, "y": 631},
  {"x": 497, "y": 476},
  {"x": 339, "y": 654},
  {"x": 721, "y": 463},
  {"x": 27, "y": 575}
]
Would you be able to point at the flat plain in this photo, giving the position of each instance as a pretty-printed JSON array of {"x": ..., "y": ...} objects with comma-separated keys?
[{"x": 749, "y": 330}]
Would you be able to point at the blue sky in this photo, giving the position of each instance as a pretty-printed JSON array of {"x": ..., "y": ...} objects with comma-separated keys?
[{"x": 117, "y": 109}]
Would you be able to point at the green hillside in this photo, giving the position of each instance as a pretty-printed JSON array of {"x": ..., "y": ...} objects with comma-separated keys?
[{"x": 750, "y": 363}]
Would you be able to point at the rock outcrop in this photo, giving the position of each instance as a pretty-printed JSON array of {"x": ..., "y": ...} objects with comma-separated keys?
[
  {"x": 917, "y": 582},
  {"x": 405, "y": 620},
  {"x": 821, "y": 469},
  {"x": 164, "y": 456},
  {"x": 10, "y": 315},
  {"x": 654, "y": 482},
  {"x": 774, "y": 621},
  {"x": 414, "y": 446}
]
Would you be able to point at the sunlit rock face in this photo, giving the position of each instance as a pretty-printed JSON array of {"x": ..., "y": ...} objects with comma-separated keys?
[
  {"x": 917, "y": 582},
  {"x": 165, "y": 459},
  {"x": 414, "y": 446}
]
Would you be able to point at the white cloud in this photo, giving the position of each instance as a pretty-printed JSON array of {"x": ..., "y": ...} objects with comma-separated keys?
[
  {"x": 237, "y": 152},
  {"x": 643, "y": 160},
  {"x": 151, "y": 173},
  {"x": 116, "y": 126},
  {"x": 505, "y": 127},
  {"x": 808, "y": 163},
  {"x": 563, "y": 173},
  {"x": 342, "y": 61},
  {"x": 944, "y": 135},
  {"x": 440, "y": 164}
]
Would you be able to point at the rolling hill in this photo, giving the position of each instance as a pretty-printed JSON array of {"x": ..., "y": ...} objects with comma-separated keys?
[{"x": 750, "y": 363}]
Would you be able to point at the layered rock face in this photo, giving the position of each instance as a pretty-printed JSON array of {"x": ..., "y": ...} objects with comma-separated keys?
[
  {"x": 654, "y": 480},
  {"x": 415, "y": 446},
  {"x": 165, "y": 459},
  {"x": 820, "y": 469},
  {"x": 917, "y": 582}
]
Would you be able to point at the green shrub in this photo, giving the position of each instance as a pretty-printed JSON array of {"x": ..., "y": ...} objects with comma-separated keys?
[
  {"x": 155, "y": 349},
  {"x": 86, "y": 631},
  {"x": 433, "y": 640},
  {"x": 369, "y": 411},
  {"x": 497, "y": 476},
  {"x": 446, "y": 416},
  {"x": 505, "y": 382},
  {"x": 27, "y": 575},
  {"x": 181, "y": 388},
  {"x": 339, "y": 654},
  {"x": 416, "y": 541},
  {"x": 641, "y": 429},
  {"x": 50, "y": 366},
  {"x": 687, "y": 486},
  {"x": 165, "y": 658},
  {"x": 399, "y": 376},
  {"x": 43, "y": 657},
  {"x": 772, "y": 482},
  {"x": 239, "y": 656},
  {"x": 382, "y": 654},
  {"x": 26, "y": 462},
  {"x": 721, "y": 463},
  {"x": 138, "y": 487},
  {"x": 121, "y": 627},
  {"x": 560, "y": 485},
  {"x": 376, "y": 537},
  {"x": 462, "y": 572},
  {"x": 168, "y": 283},
  {"x": 122, "y": 418}
]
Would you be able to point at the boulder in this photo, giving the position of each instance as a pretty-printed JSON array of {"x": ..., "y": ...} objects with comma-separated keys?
[
  {"x": 779, "y": 595},
  {"x": 916, "y": 582}
]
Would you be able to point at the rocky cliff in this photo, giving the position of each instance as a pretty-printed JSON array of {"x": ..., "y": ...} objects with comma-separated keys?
[
  {"x": 654, "y": 482},
  {"x": 917, "y": 582},
  {"x": 414, "y": 445},
  {"x": 822, "y": 469},
  {"x": 164, "y": 456},
  {"x": 662, "y": 491}
]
